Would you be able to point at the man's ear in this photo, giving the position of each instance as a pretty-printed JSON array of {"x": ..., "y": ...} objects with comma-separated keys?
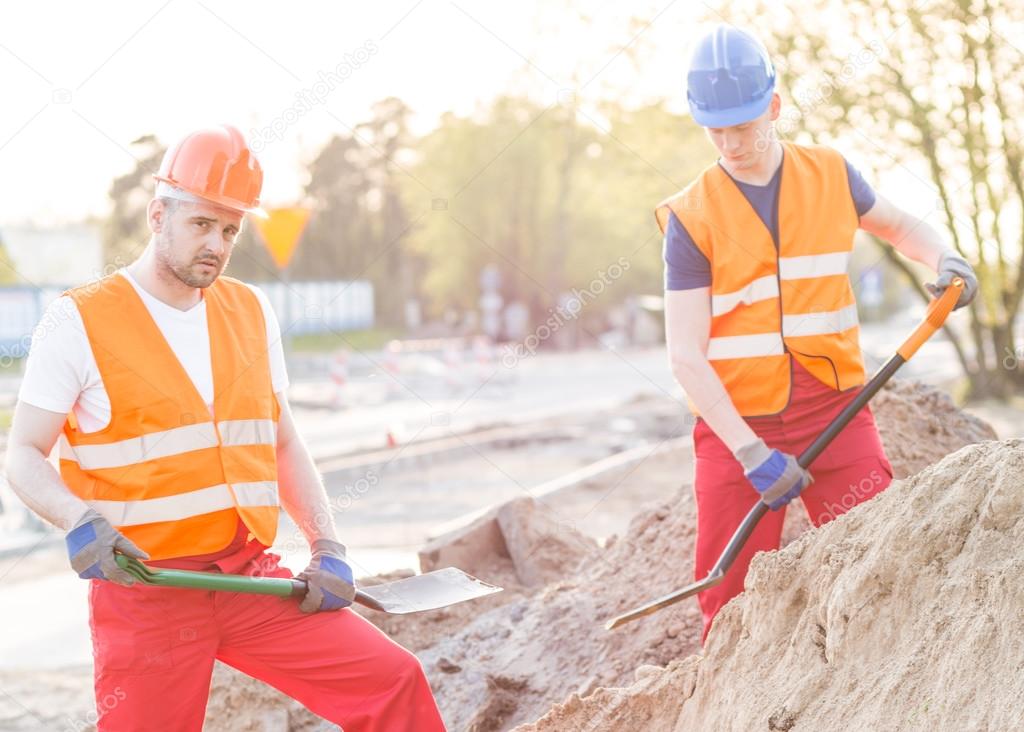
[
  {"x": 157, "y": 215},
  {"x": 775, "y": 106}
]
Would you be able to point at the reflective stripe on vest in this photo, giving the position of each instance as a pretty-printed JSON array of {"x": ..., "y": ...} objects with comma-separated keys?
[
  {"x": 186, "y": 505},
  {"x": 829, "y": 321},
  {"x": 771, "y": 303},
  {"x": 813, "y": 265},
  {"x": 763, "y": 288},
  {"x": 169, "y": 442},
  {"x": 745, "y": 346},
  {"x": 163, "y": 472}
]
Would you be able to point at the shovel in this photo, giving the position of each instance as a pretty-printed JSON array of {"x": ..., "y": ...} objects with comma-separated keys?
[
  {"x": 429, "y": 591},
  {"x": 938, "y": 310}
]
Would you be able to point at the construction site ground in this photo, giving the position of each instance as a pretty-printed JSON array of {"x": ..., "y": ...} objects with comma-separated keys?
[{"x": 588, "y": 490}]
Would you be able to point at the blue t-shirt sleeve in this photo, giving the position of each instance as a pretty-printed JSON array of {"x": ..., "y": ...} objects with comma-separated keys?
[
  {"x": 686, "y": 267},
  {"x": 863, "y": 194}
]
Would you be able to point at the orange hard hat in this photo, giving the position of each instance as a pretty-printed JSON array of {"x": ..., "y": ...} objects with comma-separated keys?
[{"x": 215, "y": 164}]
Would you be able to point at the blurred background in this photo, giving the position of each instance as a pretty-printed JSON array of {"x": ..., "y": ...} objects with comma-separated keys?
[{"x": 474, "y": 309}]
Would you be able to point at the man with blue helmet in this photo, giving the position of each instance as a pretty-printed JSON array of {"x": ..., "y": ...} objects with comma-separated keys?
[{"x": 761, "y": 320}]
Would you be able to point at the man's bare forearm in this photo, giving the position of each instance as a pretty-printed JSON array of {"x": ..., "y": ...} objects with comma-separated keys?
[
  {"x": 35, "y": 481},
  {"x": 704, "y": 387},
  {"x": 302, "y": 492},
  {"x": 687, "y": 330},
  {"x": 920, "y": 241},
  {"x": 910, "y": 235}
]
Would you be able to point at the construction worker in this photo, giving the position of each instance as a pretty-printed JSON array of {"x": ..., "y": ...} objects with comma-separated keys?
[
  {"x": 165, "y": 383},
  {"x": 761, "y": 321}
]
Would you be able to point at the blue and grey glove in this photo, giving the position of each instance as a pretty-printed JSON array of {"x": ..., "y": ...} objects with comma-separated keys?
[
  {"x": 329, "y": 582},
  {"x": 950, "y": 266},
  {"x": 91, "y": 544},
  {"x": 776, "y": 475}
]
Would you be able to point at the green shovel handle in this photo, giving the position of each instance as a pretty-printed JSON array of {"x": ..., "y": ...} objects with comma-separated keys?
[{"x": 279, "y": 586}]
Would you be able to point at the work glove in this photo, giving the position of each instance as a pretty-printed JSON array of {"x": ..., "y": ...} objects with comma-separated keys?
[
  {"x": 950, "y": 266},
  {"x": 91, "y": 544},
  {"x": 329, "y": 583},
  {"x": 776, "y": 475}
]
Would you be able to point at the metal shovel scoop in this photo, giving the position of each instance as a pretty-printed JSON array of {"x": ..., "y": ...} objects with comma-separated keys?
[{"x": 429, "y": 591}]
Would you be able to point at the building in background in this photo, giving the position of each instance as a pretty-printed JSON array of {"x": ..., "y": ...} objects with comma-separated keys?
[{"x": 58, "y": 256}]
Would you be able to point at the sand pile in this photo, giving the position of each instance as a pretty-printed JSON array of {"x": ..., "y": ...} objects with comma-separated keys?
[
  {"x": 514, "y": 662},
  {"x": 903, "y": 614},
  {"x": 506, "y": 659},
  {"x": 240, "y": 703},
  {"x": 514, "y": 545},
  {"x": 930, "y": 425}
]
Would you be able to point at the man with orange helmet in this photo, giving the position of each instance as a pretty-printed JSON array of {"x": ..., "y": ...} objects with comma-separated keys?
[
  {"x": 165, "y": 386},
  {"x": 760, "y": 316}
]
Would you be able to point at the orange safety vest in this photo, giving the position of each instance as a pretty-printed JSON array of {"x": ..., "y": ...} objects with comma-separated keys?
[
  {"x": 769, "y": 305},
  {"x": 164, "y": 472}
]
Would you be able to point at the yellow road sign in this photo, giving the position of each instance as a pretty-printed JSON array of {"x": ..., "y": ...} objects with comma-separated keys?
[{"x": 281, "y": 231}]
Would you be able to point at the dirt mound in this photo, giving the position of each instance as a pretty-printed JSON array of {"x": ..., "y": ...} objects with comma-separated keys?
[
  {"x": 514, "y": 545},
  {"x": 902, "y": 614},
  {"x": 554, "y": 644},
  {"x": 920, "y": 425},
  {"x": 507, "y": 658},
  {"x": 517, "y": 535},
  {"x": 240, "y": 703}
]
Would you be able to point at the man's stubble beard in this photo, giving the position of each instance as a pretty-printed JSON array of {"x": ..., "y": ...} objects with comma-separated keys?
[{"x": 184, "y": 273}]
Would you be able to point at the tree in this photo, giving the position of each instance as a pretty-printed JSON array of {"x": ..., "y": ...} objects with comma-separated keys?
[
  {"x": 125, "y": 231},
  {"x": 359, "y": 219},
  {"x": 934, "y": 86},
  {"x": 552, "y": 197},
  {"x": 8, "y": 274},
  {"x": 386, "y": 139},
  {"x": 642, "y": 156},
  {"x": 336, "y": 240}
]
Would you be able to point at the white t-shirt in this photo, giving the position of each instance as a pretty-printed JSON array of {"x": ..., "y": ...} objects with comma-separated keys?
[{"x": 61, "y": 372}]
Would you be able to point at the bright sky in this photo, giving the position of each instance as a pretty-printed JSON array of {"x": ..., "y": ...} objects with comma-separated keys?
[{"x": 77, "y": 86}]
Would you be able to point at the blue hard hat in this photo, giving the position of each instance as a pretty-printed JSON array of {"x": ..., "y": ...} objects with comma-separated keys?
[{"x": 730, "y": 80}]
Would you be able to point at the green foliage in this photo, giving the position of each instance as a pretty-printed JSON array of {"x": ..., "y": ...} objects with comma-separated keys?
[
  {"x": 359, "y": 219},
  {"x": 552, "y": 196},
  {"x": 126, "y": 231},
  {"x": 933, "y": 87},
  {"x": 8, "y": 274}
]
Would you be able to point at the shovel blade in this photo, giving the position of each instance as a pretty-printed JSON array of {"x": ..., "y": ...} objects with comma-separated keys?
[{"x": 429, "y": 591}]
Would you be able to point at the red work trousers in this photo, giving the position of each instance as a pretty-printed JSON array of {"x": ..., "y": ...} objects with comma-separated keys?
[
  {"x": 851, "y": 470},
  {"x": 154, "y": 650}
]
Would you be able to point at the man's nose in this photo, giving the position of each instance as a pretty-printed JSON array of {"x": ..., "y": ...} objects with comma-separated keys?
[{"x": 215, "y": 244}]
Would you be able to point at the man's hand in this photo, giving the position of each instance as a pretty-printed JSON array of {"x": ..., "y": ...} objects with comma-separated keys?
[
  {"x": 91, "y": 544},
  {"x": 328, "y": 578},
  {"x": 776, "y": 475},
  {"x": 950, "y": 266}
]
